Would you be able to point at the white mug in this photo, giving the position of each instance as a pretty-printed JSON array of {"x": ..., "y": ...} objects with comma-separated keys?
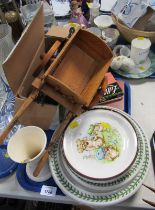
[
  {"x": 140, "y": 48},
  {"x": 27, "y": 144}
]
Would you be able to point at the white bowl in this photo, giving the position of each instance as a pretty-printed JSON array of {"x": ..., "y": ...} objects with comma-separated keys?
[{"x": 103, "y": 21}]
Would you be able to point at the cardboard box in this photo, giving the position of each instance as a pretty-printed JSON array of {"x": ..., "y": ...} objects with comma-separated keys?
[{"x": 19, "y": 68}]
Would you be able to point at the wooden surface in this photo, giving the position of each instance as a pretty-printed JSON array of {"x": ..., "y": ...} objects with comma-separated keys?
[
  {"x": 56, "y": 136},
  {"x": 17, "y": 115},
  {"x": 80, "y": 67},
  {"x": 33, "y": 95},
  {"x": 76, "y": 69}
]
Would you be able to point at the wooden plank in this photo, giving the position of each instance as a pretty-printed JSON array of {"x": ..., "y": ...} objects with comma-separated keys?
[
  {"x": 49, "y": 91},
  {"x": 76, "y": 69},
  {"x": 64, "y": 90}
]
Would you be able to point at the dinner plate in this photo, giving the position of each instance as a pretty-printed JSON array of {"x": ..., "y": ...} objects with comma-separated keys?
[
  {"x": 65, "y": 8},
  {"x": 84, "y": 195},
  {"x": 123, "y": 179},
  {"x": 100, "y": 139},
  {"x": 107, "y": 5},
  {"x": 141, "y": 70}
]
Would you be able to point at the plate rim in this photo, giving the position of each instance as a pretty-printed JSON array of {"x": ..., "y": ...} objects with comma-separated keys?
[
  {"x": 115, "y": 184},
  {"x": 89, "y": 177},
  {"x": 131, "y": 189},
  {"x": 125, "y": 179}
]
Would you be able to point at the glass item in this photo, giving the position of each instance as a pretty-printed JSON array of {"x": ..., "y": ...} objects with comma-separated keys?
[
  {"x": 95, "y": 31},
  {"x": 3, "y": 95},
  {"x": 6, "y": 45},
  {"x": 121, "y": 50},
  {"x": 29, "y": 10},
  {"x": 110, "y": 35},
  {"x": 93, "y": 10}
]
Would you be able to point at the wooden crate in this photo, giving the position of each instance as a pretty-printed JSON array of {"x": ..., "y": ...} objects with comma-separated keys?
[{"x": 78, "y": 71}]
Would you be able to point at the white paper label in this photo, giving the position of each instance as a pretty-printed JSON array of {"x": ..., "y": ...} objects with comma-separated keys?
[{"x": 48, "y": 190}]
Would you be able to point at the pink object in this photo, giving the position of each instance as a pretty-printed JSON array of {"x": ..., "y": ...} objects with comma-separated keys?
[{"x": 77, "y": 17}]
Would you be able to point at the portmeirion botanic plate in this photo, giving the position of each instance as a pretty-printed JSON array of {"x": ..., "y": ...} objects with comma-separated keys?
[
  {"x": 123, "y": 179},
  {"x": 118, "y": 182},
  {"x": 102, "y": 140},
  {"x": 84, "y": 195}
]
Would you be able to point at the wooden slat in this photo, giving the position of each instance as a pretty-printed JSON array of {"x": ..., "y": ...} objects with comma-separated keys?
[{"x": 49, "y": 91}]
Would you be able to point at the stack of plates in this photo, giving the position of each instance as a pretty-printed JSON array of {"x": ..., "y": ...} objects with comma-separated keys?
[{"x": 102, "y": 158}]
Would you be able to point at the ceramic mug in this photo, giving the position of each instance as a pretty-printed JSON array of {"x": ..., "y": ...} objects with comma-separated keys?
[
  {"x": 140, "y": 48},
  {"x": 27, "y": 144}
]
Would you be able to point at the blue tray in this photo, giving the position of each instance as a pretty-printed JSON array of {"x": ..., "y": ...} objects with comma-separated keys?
[
  {"x": 127, "y": 97},
  {"x": 7, "y": 166},
  {"x": 30, "y": 185}
]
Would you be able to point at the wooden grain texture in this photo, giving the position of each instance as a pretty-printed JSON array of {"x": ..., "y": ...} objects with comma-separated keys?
[
  {"x": 57, "y": 134},
  {"x": 81, "y": 68},
  {"x": 65, "y": 90},
  {"x": 33, "y": 95},
  {"x": 130, "y": 33},
  {"x": 17, "y": 115},
  {"x": 49, "y": 91},
  {"x": 76, "y": 69},
  {"x": 46, "y": 57}
]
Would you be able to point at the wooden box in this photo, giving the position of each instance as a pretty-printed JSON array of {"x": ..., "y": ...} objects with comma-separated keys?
[{"x": 76, "y": 73}]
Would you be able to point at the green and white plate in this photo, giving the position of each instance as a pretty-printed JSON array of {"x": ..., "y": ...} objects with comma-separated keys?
[
  {"x": 120, "y": 181},
  {"x": 83, "y": 194},
  {"x": 140, "y": 71}
]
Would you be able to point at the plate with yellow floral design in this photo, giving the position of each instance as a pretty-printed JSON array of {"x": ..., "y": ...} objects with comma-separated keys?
[{"x": 100, "y": 144}]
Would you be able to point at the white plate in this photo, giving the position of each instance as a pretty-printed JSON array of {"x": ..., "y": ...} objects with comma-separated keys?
[
  {"x": 86, "y": 196},
  {"x": 124, "y": 139},
  {"x": 106, "y": 5},
  {"x": 61, "y": 8},
  {"x": 118, "y": 182}
]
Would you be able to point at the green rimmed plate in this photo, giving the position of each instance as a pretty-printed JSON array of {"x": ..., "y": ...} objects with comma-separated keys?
[
  {"x": 123, "y": 179},
  {"x": 80, "y": 193}
]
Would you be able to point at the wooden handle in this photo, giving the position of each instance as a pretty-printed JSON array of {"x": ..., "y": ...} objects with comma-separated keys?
[
  {"x": 21, "y": 110},
  {"x": 99, "y": 93},
  {"x": 51, "y": 51},
  {"x": 56, "y": 136},
  {"x": 41, "y": 163},
  {"x": 46, "y": 57}
]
